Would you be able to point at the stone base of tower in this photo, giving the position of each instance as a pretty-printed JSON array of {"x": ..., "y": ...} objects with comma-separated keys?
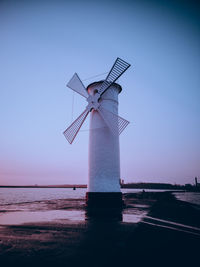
[
  {"x": 104, "y": 199},
  {"x": 104, "y": 205}
]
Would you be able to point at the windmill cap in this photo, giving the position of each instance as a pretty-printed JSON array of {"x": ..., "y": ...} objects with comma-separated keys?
[{"x": 99, "y": 82}]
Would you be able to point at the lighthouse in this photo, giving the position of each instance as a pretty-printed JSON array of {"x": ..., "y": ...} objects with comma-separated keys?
[
  {"x": 105, "y": 127},
  {"x": 104, "y": 157}
]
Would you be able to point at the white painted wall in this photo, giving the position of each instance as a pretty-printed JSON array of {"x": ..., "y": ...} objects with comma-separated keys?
[{"x": 104, "y": 159}]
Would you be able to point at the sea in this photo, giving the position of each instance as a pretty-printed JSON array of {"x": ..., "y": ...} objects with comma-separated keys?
[
  {"x": 27, "y": 205},
  {"x": 27, "y": 195}
]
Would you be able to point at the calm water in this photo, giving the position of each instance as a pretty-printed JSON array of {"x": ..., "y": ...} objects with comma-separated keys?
[
  {"x": 17, "y": 205},
  {"x": 22, "y": 195}
]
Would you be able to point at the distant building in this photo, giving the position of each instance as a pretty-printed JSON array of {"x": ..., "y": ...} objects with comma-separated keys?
[{"x": 196, "y": 182}]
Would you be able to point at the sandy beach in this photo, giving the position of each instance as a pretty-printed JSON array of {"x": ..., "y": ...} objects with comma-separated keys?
[{"x": 154, "y": 229}]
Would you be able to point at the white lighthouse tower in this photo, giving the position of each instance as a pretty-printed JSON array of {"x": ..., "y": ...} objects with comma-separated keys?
[
  {"x": 104, "y": 159},
  {"x": 105, "y": 128}
]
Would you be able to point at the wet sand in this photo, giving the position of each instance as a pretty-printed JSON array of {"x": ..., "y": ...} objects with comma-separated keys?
[{"x": 155, "y": 230}]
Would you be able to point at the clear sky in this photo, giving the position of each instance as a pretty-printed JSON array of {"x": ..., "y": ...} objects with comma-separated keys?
[{"x": 44, "y": 42}]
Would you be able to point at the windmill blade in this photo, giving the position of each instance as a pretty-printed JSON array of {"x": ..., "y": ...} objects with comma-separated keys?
[
  {"x": 116, "y": 123},
  {"x": 71, "y": 132},
  {"x": 76, "y": 84},
  {"x": 118, "y": 68}
]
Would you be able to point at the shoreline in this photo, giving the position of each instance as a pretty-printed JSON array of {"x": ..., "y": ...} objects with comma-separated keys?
[
  {"x": 137, "y": 186},
  {"x": 111, "y": 241}
]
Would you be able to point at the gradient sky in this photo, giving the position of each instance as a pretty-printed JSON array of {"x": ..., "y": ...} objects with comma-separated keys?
[{"x": 44, "y": 42}]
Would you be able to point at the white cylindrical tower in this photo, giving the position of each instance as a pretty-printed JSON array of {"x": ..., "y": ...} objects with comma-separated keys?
[{"x": 104, "y": 159}]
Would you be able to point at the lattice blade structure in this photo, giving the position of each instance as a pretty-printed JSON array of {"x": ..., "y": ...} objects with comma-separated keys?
[
  {"x": 71, "y": 132},
  {"x": 116, "y": 123},
  {"x": 118, "y": 68},
  {"x": 76, "y": 84}
]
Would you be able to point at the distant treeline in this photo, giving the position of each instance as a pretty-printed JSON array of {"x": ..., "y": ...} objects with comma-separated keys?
[
  {"x": 187, "y": 187},
  {"x": 152, "y": 186},
  {"x": 45, "y": 186}
]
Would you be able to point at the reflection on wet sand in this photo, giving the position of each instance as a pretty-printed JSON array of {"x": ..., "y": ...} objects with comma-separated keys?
[
  {"x": 68, "y": 210},
  {"x": 60, "y": 232},
  {"x": 21, "y": 217},
  {"x": 66, "y": 216}
]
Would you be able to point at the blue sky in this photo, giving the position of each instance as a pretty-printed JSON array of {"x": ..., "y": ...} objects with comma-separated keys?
[{"x": 44, "y": 42}]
